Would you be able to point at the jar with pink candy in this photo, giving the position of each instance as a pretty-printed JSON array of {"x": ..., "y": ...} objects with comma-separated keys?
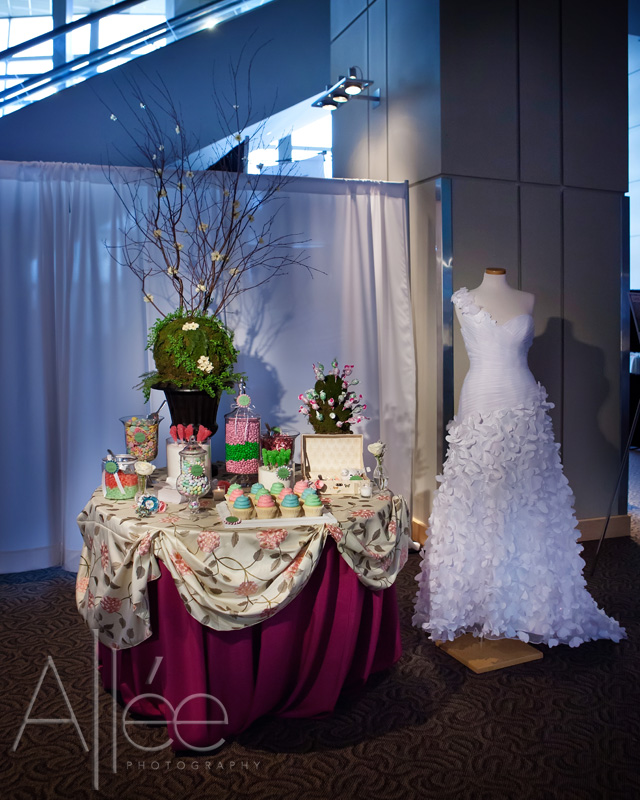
[{"x": 242, "y": 436}]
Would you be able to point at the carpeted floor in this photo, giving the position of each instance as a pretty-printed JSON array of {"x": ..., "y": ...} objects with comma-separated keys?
[{"x": 566, "y": 727}]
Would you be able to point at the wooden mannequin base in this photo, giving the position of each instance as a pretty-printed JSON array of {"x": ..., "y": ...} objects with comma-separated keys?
[{"x": 486, "y": 655}]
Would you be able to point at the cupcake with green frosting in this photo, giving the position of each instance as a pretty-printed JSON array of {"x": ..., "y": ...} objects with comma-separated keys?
[{"x": 312, "y": 505}]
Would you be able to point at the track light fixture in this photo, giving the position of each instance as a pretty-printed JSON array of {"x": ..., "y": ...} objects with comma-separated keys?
[{"x": 348, "y": 87}]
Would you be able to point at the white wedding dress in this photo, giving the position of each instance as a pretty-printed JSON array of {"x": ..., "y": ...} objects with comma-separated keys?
[{"x": 502, "y": 558}]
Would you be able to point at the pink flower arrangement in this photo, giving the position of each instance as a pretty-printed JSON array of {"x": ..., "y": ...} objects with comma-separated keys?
[
  {"x": 271, "y": 539},
  {"x": 110, "y": 604},
  {"x": 247, "y": 588},
  {"x": 208, "y": 541}
]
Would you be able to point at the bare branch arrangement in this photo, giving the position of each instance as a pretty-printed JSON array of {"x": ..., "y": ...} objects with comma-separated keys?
[{"x": 209, "y": 232}]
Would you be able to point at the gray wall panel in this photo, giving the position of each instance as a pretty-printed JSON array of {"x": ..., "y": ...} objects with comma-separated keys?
[
  {"x": 485, "y": 234},
  {"x": 351, "y": 123},
  {"x": 541, "y": 274},
  {"x": 413, "y": 89},
  {"x": 378, "y": 116},
  {"x": 479, "y": 88},
  {"x": 343, "y": 12},
  {"x": 539, "y": 60},
  {"x": 594, "y": 93},
  {"x": 592, "y": 346}
]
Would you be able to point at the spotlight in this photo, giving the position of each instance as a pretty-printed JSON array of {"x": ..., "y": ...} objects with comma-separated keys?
[
  {"x": 347, "y": 88},
  {"x": 353, "y": 85},
  {"x": 327, "y": 102}
]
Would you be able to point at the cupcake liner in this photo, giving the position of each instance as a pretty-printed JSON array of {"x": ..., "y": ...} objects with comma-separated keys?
[
  {"x": 290, "y": 512},
  {"x": 268, "y": 512}
]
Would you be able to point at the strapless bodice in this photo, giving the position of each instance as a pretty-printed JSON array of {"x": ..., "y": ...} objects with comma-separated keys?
[{"x": 499, "y": 375}]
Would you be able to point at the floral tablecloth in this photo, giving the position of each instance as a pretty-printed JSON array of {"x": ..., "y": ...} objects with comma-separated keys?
[{"x": 227, "y": 579}]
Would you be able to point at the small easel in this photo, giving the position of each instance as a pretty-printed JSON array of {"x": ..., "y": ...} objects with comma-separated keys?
[{"x": 487, "y": 655}]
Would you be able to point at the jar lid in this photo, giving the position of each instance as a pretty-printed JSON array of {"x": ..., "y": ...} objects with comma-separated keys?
[{"x": 193, "y": 449}]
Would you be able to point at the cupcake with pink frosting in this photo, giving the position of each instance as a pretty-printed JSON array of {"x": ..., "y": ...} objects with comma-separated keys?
[
  {"x": 300, "y": 487},
  {"x": 266, "y": 507},
  {"x": 287, "y": 490},
  {"x": 233, "y": 495}
]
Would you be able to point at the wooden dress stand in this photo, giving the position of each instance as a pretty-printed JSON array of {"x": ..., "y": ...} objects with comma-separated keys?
[{"x": 487, "y": 655}]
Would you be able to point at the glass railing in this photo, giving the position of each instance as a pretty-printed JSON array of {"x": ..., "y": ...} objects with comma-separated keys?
[{"x": 67, "y": 56}]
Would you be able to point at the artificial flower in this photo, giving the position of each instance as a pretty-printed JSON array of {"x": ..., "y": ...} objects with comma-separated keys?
[
  {"x": 157, "y": 233},
  {"x": 178, "y": 246},
  {"x": 216, "y": 256},
  {"x": 162, "y": 193},
  {"x": 190, "y": 326},
  {"x": 148, "y": 298},
  {"x": 201, "y": 288},
  {"x": 143, "y": 468},
  {"x": 113, "y": 117},
  {"x": 377, "y": 449},
  {"x": 202, "y": 226},
  {"x": 177, "y": 129},
  {"x": 204, "y": 364}
]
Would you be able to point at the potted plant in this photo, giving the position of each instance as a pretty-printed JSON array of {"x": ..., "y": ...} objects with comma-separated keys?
[{"x": 207, "y": 235}]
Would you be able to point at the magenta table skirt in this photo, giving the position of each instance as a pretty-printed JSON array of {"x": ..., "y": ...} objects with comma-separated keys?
[{"x": 334, "y": 635}]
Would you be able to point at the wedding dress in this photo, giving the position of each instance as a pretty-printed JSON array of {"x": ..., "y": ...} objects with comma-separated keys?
[{"x": 502, "y": 557}]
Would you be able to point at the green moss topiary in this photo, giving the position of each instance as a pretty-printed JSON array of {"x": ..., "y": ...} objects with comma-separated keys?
[{"x": 191, "y": 350}]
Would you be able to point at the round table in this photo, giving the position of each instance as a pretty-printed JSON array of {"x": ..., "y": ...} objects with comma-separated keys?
[{"x": 215, "y": 627}]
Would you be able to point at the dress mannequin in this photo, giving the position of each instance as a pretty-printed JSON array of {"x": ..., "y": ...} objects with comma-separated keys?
[
  {"x": 498, "y": 298},
  {"x": 502, "y": 561}
]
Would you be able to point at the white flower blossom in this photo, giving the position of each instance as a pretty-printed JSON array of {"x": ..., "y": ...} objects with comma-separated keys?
[
  {"x": 162, "y": 193},
  {"x": 157, "y": 233},
  {"x": 113, "y": 117},
  {"x": 178, "y": 246},
  {"x": 143, "y": 467},
  {"x": 189, "y": 174},
  {"x": 190, "y": 326},
  {"x": 204, "y": 364},
  {"x": 216, "y": 256},
  {"x": 377, "y": 449},
  {"x": 177, "y": 129},
  {"x": 172, "y": 270},
  {"x": 148, "y": 298},
  {"x": 201, "y": 288},
  {"x": 202, "y": 226}
]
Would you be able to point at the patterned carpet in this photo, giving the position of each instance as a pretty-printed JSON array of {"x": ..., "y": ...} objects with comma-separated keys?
[{"x": 565, "y": 727}]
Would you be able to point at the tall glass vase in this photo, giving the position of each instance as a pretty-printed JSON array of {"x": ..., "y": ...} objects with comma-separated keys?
[{"x": 380, "y": 477}]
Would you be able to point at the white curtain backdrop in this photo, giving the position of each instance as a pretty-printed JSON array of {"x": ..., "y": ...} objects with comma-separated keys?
[{"x": 73, "y": 330}]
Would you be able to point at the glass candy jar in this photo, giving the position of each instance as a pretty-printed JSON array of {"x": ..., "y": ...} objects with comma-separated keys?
[
  {"x": 242, "y": 437},
  {"x": 119, "y": 477},
  {"x": 192, "y": 482},
  {"x": 141, "y": 436}
]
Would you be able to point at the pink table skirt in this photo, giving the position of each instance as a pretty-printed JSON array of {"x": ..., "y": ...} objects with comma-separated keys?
[{"x": 334, "y": 635}]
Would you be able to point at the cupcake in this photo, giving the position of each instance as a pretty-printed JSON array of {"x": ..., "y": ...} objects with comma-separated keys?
[
  {"x": 284, "y": 493},
  {"x": 242, "y": 507},
  {"x": 232, "y": 487},
  {"x": 254, "y": 490},
  {"x": 312, "y": 505},
  {"x": 276, "y": 488},
  {"x": 266, "y": 507},
  {"x": 260, "y": 493},
  {"x": 290, "y": 506},
  {"x": 300, "y": 487},
  {"x": 309, "y": 492},
  {"x": 233, "y": 495}
]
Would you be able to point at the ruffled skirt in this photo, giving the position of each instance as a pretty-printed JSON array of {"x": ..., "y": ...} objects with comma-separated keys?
[{"x": 502, "y": 558}]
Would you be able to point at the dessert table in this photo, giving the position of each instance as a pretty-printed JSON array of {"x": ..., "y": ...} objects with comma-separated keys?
[{"x": 218, "y": 626}]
